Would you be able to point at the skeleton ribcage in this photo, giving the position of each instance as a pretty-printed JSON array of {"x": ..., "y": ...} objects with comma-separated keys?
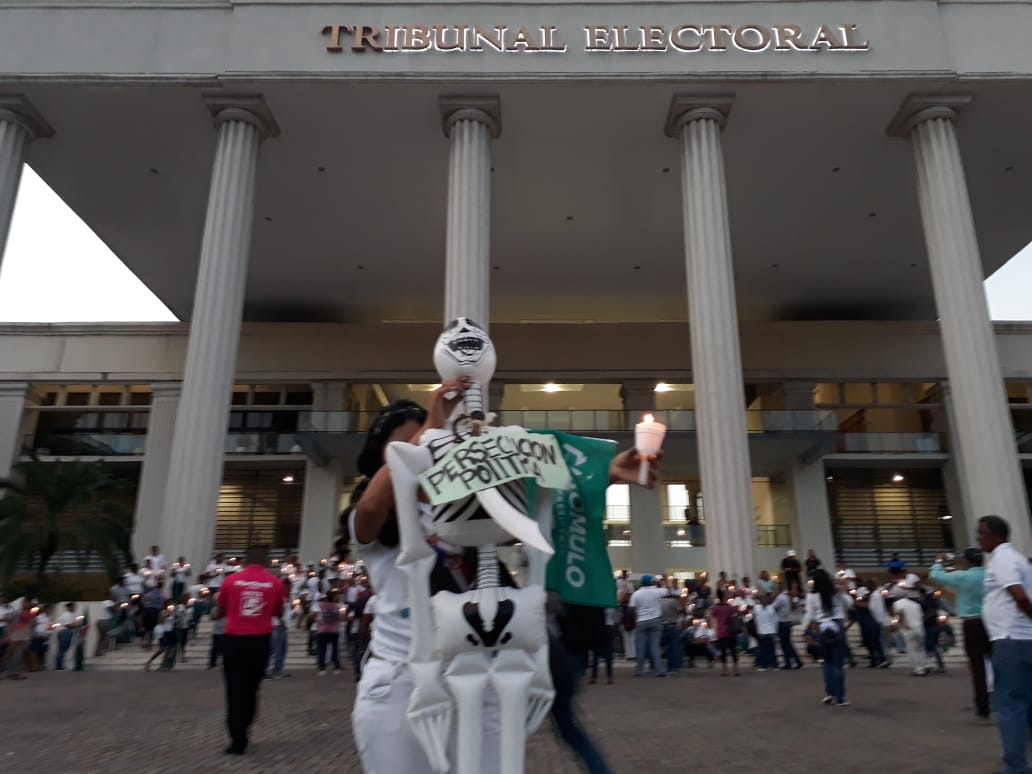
[{"x": 457, "y": 520}]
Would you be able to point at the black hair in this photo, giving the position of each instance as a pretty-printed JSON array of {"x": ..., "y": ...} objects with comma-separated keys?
[
  {"x": 370, "y": 460},
  {"x": 822, "y": 585},
  {"x": 391, "y": 417},
  {"x": 996, "y": 526}
]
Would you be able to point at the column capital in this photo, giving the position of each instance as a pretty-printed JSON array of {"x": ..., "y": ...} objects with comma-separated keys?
[
  {"x": 918, "y": 108},
  {"x": 167, "y": 389},
  {"x": 249, "y": 108},
  {"x": 14, "y": 389},
  {"x": 685, "y": 108},
  {"x": 485, "y": 109},
  {"x": 17, "y": 109}
]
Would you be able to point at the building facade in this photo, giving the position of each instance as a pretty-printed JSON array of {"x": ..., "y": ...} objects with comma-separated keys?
[{"x": 765, "y": 210}]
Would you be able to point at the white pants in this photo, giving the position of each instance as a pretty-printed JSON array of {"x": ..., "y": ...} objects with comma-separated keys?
[
  {"x": 915, "y": 639},
  {"x": 385, "y": 741},
  {"x": 628, "y": 642}
]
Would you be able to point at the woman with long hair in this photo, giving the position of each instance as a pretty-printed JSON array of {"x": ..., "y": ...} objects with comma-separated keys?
[
  {"x": 827, "y": 607},
  {"x": 384, "y": 739}
]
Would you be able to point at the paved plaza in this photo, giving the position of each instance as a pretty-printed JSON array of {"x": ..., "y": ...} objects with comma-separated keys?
[{"x": 111, "y": 722}]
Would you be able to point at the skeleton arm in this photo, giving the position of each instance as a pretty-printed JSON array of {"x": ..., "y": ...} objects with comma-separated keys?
[{"x": 430, "y": 708}]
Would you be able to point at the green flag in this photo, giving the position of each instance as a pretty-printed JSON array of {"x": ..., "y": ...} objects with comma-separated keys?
[{"x": 580, "y": 570}]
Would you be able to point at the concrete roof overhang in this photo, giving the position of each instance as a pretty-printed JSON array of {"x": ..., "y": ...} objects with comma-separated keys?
[{"x": 586, "y": 205}]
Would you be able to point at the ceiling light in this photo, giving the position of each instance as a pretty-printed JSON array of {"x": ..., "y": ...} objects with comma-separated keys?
[
  {"x": 897, "y": 477},
  {"x": 551, "y": 387},
  {"x": 662, "y": 387},
  {"x": 830, "y": 478},
  {"x": 288, "y": 479}
]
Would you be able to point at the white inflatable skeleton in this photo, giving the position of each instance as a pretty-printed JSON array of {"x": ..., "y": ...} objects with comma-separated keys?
[{"x": 490, "y": 635}]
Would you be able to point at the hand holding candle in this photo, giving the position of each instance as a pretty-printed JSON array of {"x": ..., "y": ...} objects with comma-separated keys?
[{"x": 648, "y": 440}]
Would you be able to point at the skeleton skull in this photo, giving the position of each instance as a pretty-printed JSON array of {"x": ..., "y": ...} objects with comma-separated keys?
[{"x": 465, "y": 349}]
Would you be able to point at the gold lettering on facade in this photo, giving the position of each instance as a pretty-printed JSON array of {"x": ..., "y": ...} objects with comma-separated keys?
[
  {"x": 621, "y": 38},
  {"x": 367, "y": 36},
  {"x": 598, "y": 37},
  {"x": 335, "y": 31},
  {"x": 677, "y": 38},
  {"x": 497, "y": 41},
  {"x": 523, "y": 39},
  {"x": 653, "y": 38},
  {"x": 826, "y": 37},
  {"x": 460, "y": 37},
  {"x": 849, "y": 33}
]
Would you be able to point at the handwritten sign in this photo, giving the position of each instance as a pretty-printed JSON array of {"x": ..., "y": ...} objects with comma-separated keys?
[{"x": 498, "y": 456}]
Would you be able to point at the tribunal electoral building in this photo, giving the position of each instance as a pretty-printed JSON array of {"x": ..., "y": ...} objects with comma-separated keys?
[{"x": 767, "y": 221}]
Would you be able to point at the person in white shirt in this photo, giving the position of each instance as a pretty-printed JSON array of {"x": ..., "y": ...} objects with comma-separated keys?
[
  {"x": 181, "y": 571},
  {"x": 133, "y": 580},
  {"x": 827, "y": 607},
  {"x": 216, "y": 572},
  {"x": 880, "y": 614},
  {"x": 40, "y": 642},
  {"x": 911, "y": 622},
  {"x": 69, "y": 624},
  {"x": 647, "y": 627},
  {"x": 1007, "y": 615},
  {"x": 158, "y": 563},
  {"x": 6, "y": 614},
  {"x": 766, "y": 619},
  {"x": 783, "y": 607},
  {"x": 624, "y": 589}
]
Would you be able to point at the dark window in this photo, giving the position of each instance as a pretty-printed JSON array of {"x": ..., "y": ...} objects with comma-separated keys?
[
  {"x": 298, "y": 398},
  {"x": 77, "y": 399},
  {"x": 109, "y": 399},
  {"x": 140, "y": 398}
]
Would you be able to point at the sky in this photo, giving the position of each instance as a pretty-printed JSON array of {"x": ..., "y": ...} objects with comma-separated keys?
[{"x": 52, "y": 257}]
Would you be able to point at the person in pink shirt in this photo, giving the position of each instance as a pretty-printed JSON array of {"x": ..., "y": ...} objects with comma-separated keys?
[
  {"x": 248, "y": 600},
  {"x": 724, "y": 618}
]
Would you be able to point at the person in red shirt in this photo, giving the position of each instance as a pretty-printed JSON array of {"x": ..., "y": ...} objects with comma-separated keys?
[{"x": 248, "y": 600}]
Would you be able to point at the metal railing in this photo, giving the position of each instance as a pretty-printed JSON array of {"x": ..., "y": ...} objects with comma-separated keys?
[
  {"x": 590, "y": 420},
  {"x": 773, "y": 535},
  {"x": 891, "y": 443},
  {"x": 130, "y": 443}
]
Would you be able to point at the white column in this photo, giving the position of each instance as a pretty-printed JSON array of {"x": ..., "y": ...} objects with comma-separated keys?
[
  {"x": 810, "y": 494},
  {"x": 647, "y": 547},
  {"x": 198, "y": 445},
  {"x": 320, "y": 511},
  {"x": 321, "y": 505},
  {"x": 648, "y": 551},
  {"x": 716, "y": 358},
  {"x": 157, "y": 451},
  {"x": 981, "y": 425},
  {"x": 12, "y": 413},
  {"x": 469, "y": 123},
  {"x": 19, "y": 125}
]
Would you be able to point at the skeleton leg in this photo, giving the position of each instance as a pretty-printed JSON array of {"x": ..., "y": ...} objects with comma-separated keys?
[
  {"x": 430, "y": 708},
  {"x": 466, "y": 677},
  {"x": 511, "y": 674}
]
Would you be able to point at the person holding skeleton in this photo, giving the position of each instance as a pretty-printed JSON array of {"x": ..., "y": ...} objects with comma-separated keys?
[{"x": 386, "y": 743}]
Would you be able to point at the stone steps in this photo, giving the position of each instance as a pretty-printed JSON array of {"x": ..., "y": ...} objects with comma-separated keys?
[{"x": 131, "y": 656}]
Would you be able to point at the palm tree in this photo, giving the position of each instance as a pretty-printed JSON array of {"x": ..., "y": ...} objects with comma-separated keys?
[{"x": 52, "y": 507}]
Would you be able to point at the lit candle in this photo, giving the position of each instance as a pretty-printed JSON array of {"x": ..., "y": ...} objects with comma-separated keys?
[{"x": 648, "y": 440}]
